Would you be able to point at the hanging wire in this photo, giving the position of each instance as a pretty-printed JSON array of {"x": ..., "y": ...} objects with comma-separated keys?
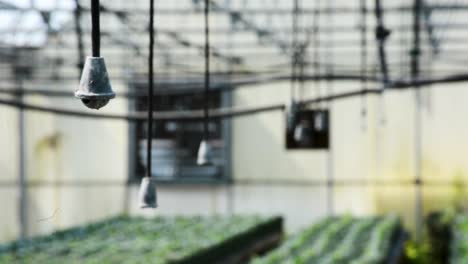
[
  {"x": 364, "y": 51},
  {"x": 329, "y": 90},
  {"x": 79, "y": 35},
  {"x": 381, "y": 33},
  {"x": 329, "y": 48},
  {"x": 316, "y": 56},
  {"x": 415, "y": 72},
  {"x": 147, "y": 197},
  {"x": 95, "y": 29},
  {"x": 302, "y": 54},
  {"x": 294, "y": 48},
  {"x": 207, "y": 70},
  {"x": 435, "y": 39},
  {"x": 150, "y": 89}
]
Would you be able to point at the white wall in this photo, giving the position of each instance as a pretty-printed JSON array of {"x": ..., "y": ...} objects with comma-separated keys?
[
  {"x": 76, "y": 168},
  {"x": 379, "y": 146}
]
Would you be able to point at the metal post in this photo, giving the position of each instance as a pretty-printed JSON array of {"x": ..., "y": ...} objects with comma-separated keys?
[
  {"x": 329, "y": 72},
  {"x": 226, "y": 131},
  {"x": 330, "y": 179},
  {"x": 23, "y": 191},
  {"x": 415, "y": 64}
]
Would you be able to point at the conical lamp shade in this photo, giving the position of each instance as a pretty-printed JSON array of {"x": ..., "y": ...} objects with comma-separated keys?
[
  {"x": 291, "y": 115},
  {"x": 205, "y": 154},
  {"x": 147, "y": 194},
  {"x": 301, "y": 134},
  {"x": 320, "y": 121},
  {"x": 95, "y": 89}
]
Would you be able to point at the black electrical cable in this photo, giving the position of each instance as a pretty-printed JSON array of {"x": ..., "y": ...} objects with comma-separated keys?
[
  {"x": 302, "y": 49},
  {"x": 415, "y": 71},
  {"x": 429, "y": 26},
  {"x": 207, "y": 70},
  {"x": 342, "y": 10},
  {"x": 294, "y": 49},
  {"x": 329, "y": 48},
  {"x": 95, "y": 28},
  {"x": 79, "y": 35},
  {"x": 416, "y": 50},
  {"x": 316, "y": 46},
  {"x": 381, "y": 34},
  {"x": 150, "y": 90},
  {"x": 230, "y": 113},
  {"x": 363, "y": 4},
  {"x": 190, "y": 88}
]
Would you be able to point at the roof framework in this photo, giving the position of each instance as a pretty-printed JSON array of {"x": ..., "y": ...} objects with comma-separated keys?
[{"x": 251, "y": 40}]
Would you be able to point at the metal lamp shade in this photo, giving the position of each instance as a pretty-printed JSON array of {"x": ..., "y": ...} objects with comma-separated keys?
[
  {"x": 205, "y": 153},
  {"x": 321, "y": 121},
  {"x": 147, "y": 197},
  {"x": 291, "y": 115},
  {"x": 95, "y": 89},
  {"x": 301, "y": 134}
]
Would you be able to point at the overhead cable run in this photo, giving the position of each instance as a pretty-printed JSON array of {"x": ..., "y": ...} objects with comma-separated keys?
[
  {"x": 170, "y": 88},
  {"x": 214, "y": 114},
  {"x": 7, "y": 6},
  {"x": 185, "y": 88},
  {"x": 236, "y": 60}
]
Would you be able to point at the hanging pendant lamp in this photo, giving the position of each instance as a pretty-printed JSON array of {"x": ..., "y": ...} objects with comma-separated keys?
[
  {"x": 293, "y": 108},
  {"x": 320, "y": 121},
  {"x": 205, "y": 153},
  {"x": 292, "y": 115},
  {"x": 302, "y": 133},
  {"x": 147, "y": 197},
  {"x": 95, "y": 89}
]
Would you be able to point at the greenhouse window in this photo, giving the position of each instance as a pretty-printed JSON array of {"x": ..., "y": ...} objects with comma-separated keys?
[
  {"x": 175, "y": 144},
  {"x": 311, "y": 130}
]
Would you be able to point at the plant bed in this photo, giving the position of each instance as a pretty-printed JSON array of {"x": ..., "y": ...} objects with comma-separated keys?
[
  {"x": 160, "y": 240},
  {"x": 439, "y": 236},
  {"x": 459, "y": 243},
  {"x": 343, "y": 240}
]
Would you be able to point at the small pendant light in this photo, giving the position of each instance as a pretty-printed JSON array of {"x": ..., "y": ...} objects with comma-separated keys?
[
  {"x": 291, "y": 115},
  {"x": 302, "y": 133},
  {"x": 95, "y": 89},
  {"x": 205, "y": 153},
  {"x": 293, "y": 108},
  {"x": 320, "y": 122},
  {"x": 147, "y": 197}
]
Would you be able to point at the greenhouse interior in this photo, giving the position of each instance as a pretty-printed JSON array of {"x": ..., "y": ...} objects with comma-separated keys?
[{"x": 233, "y": 131}]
